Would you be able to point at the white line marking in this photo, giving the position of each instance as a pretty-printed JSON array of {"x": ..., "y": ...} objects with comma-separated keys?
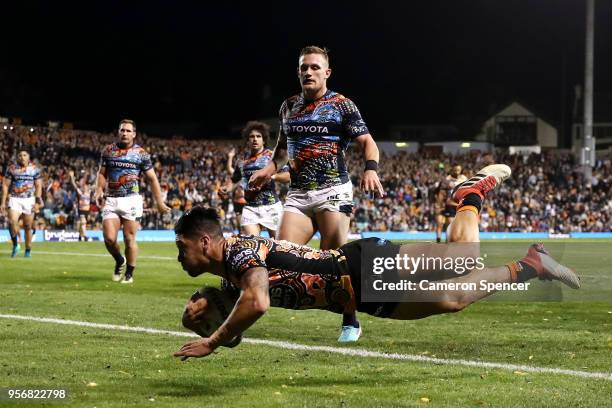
[
  {"x": 35, "y": 252},
  {"x": 336, "y": 350}
]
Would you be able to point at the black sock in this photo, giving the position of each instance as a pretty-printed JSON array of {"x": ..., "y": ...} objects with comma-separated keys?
[
  {"x": 527, "y": 272},
  {"x": 438, "y": 240},
  {"x": 473, "y": 199},
  {"x": 129, "y": 270},
  {"x": 14, "y": 239},
  {"x": 119, "y": 259},
  {"x": 350, "y": 319}
]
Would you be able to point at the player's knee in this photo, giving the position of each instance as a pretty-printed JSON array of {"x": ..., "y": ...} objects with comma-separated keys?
[{"x": 130, "y": 242}]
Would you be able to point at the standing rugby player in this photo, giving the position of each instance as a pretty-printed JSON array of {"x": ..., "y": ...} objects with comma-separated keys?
[
  {"x": 263, "y": 208},
  {"x": 121, "y": 165},
  {"x": 23, "y": 188},
  {"x": 316, "y": 127},
  {"x": 84, "y": 206}
]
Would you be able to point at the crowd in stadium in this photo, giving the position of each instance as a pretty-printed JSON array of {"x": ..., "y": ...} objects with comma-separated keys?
[{"x": 546, "y": 192}]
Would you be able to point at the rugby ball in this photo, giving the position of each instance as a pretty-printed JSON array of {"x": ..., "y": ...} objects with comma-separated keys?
[{"x": 219, "y": 304}]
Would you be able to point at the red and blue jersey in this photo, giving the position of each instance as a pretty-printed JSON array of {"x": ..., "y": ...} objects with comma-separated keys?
[
  {"x": 245, "y": 167},
  {"x": 318, "y": 134},
  {"x": 123, "y": 168},
  {"x": 22, "y": 180}
]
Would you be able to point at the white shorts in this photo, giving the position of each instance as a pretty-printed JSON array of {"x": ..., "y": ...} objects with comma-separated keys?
[
  {"x": 268, "y": 216},
  {"x": 23, "y": 206},
  {"x": 308, "y": 202},
  {"x": 128, "y": 208}
]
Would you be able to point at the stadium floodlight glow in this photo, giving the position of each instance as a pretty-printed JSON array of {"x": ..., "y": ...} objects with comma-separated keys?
[
  {"x": 31, "y": 129},
  {"x": 12, "y": 128},
  {"x": 466, "y": 144},
  {"x": 401, "y": 144},
  {"x": 5, "y": 127}
]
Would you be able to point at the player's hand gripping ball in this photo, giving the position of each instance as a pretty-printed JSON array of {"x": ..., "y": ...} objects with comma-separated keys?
[{"x": 211, "y": 307}]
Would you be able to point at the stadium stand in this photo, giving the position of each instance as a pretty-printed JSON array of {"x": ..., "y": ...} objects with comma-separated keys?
[{"x": 547, "y": 192}]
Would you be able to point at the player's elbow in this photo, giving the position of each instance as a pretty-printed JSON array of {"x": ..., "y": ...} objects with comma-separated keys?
[{"x": 260, "y": 305}]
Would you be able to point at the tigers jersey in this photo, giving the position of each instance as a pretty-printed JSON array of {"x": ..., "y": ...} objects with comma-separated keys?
[
  {"x": 245, "y": 167},
  {"x": 299, "y": 277},
  {"x": 123, "y": 168},
  {"x": 318, "y": 134},
  {"x": 22, "y": 180}
]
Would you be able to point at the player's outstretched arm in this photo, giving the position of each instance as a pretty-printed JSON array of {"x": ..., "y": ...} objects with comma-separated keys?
[
  {"x": 156, "y": 189},
  {"x": 74, "y": 184},
  {"x": 252, "y": 304},
  {"x": 370, "y": 181}
]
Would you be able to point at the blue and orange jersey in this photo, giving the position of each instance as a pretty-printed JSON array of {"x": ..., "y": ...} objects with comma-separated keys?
[
  {"x": 318, "y": 134},
  {"x": 245, "y": 167},
  {"x": 299, "y": 277},
  {"x": 22, "y": 180},
  {"x": 123, "y": 168}
]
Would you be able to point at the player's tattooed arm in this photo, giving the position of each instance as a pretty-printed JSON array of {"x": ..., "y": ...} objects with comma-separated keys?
[{"x": 252, "y": 304}]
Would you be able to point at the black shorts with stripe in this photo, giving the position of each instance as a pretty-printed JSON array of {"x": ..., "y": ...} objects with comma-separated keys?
[{"x": 354, "y": 252}]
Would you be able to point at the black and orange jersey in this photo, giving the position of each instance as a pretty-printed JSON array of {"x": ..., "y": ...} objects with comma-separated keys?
[{"x": 300, "y": 277}]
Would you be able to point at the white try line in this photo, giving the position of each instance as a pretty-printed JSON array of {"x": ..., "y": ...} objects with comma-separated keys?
[
  {"x": 336, "y": 350},
  {"x": 36, "y": 252}
]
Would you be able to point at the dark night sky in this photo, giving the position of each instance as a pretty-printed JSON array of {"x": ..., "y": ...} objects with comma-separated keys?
[{"x": 445, "y": 62}]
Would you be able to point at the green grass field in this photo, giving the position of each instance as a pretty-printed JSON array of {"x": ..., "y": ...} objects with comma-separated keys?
[{"x": 138, "y": 369}]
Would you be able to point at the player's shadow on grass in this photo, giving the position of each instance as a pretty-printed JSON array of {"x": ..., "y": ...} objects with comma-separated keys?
[
  {"x": 72, "y": 279},
  {"x": 235, "y": 383}
]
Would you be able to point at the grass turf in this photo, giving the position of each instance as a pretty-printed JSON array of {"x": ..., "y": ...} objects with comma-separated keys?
[{"x": 138, "y": 369}]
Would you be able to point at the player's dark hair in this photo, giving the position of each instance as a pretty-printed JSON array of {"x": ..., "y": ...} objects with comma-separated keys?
[
  {"x": 198, "y": 221},
  {"x": 128, "y": 122},
  {"x": 261, "y": 127},
  {"x": 313, "y": 49}
]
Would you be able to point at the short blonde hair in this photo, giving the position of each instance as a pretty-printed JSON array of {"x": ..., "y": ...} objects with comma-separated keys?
[
  {"x": 313, "y": 49},
  {"x": 128, "y": 122}
]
